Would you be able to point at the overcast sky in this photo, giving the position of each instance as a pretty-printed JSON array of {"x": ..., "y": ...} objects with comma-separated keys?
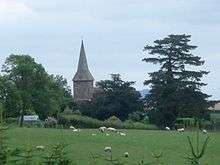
[{"x": 114, "y": 34}]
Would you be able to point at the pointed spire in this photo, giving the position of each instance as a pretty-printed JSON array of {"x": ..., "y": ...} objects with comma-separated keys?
[{"x": 83, "y": 73}]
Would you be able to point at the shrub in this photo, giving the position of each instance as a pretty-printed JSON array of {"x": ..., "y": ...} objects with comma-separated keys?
[
  {"x": 196, "y": 152},
  {"x": 11, "y": 120},
  {"x": 207, "y": 124},
  {"x": 57, "y": 156},
  {"x": 88, "y": 122},
  {"x": 186, "y": 122},
  {"x": 77, "y": 112},
  {"x": 79, "y": 121},
  {"x": 216, "y": 125},
  {"x": 131, "y": 125},
  {"x": 67, "y": 111},
  {"x": 113, "y": 121},
  {"x": 145, "y": 120},
  {"x": 138, "y": 125},
  {"x": 136, "y": 116},
  {"x": 177, "y": 126},
  {"x": 128, "y": 124},
  {"x": 50, "y": 122},
  {"x": 215, "y": 117},
  {"x": 34, "y": 124}
]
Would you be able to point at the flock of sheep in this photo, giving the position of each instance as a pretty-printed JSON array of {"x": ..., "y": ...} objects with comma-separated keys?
[
  {"x": 102, "y": 130},
  {"x": 107, "y": 131},
  {"x": 110, "y": 129},
  {"x": 182, "y": 130}
]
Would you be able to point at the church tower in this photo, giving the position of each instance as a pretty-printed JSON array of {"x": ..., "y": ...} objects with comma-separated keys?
[{"x": 83, "y": 79}]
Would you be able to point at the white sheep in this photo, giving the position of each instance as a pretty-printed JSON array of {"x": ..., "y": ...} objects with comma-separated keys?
[
  {"x": 122, "y": 134},
  {"x": 102, "y": 129},
  {"x": 180, "y": 130},
  {"x": 71, "y": 127},
  {"x": 107, "y": 134},
  {"x": 204, "y": 131},
  {"x": 76, "y": 130},
  {"x": 108, "y": 149},
  {"x": 93, "y": 134},
  {"x": 111, "y": 129},
  {"x": 40, "y": 147},
  {"x": 167, "y": 128}
]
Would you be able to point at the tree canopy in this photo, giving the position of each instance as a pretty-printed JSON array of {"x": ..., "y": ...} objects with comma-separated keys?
[
  {"x": 115, "y": 97},
  {"x": 176, "y": 85},
  {"x": 26, "y": 88}
]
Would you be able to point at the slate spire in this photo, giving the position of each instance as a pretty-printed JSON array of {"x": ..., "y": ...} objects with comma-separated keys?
[{"x": 83, "y": 73}]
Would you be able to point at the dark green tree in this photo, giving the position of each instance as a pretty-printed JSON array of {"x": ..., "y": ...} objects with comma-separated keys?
[
  {"x": 176, "y": 85},
  {"x": 115, "y": 97}
]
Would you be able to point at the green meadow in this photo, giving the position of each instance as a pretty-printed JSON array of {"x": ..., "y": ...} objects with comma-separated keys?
[{"x": 82, "y": 146}]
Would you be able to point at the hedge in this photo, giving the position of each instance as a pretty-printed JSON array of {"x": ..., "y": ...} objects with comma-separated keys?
[{"x": 88, "y": 122}]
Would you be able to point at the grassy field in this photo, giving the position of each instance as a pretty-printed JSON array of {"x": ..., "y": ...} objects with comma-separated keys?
[{"x": 139, "y": 143}]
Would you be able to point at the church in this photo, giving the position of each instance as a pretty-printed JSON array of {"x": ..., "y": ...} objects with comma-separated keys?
[{"x": 83, "y": 81}]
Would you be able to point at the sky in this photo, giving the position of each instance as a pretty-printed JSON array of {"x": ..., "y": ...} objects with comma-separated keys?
[{"x": 114, "y": 33}]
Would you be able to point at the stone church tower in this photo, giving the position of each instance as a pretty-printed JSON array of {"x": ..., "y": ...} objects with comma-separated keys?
[{"x": 83, "y": 79}]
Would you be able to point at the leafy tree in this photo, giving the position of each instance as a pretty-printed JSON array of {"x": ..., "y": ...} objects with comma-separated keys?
[
  {"x": 175, "y": 87},
  {"x": 58, "y": 95},
  {"x": 26, "y": 74},
  {"x": 9, "y": 97},
  {"x": 27, "y": 84},
  {"x": 114, "y": 97}
]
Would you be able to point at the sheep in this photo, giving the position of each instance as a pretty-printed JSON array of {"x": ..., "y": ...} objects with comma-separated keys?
[
  {"x": 167, "y": 128},
  {"x": 40, "y": 147},
  {"x": 111, "y": 129},
  {"x": 93, "y": 134},
  {"x": 126, "y": 154},
  {"x": 71, "y": 127},
  {"x": 76, "y": 130},
  {"x": 122, "y": 134},
  {"x": 108, "y": 149},
  {"x": 204, "y": 131},
  {"x": 102, "y": 129},
  {"x": 180, "y": 130},
  {"x": 107, "y": 134}
]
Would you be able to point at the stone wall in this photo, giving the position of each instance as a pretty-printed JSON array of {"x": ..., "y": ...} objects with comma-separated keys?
[{"x": 83, "y": 90}]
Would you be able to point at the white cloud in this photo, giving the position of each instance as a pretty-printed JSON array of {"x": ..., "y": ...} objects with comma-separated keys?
[{"x": 10, "y": 9}]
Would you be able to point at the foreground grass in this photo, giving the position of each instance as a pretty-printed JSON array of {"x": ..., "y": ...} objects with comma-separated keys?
[{"x": 139, "y": 143}]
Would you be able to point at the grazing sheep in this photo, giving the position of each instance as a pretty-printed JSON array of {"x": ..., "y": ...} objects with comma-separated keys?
[
  {"x": 108, "y": 149},
  {"x": 167, "y": 128},
  {"x": 126, "y": 154},
  {"x": 204, "y": 131},
  {"x": 102, "y": 129},
  {"x": 180, "y": 130},
  {"x": 76, "y": 130},
  {"x": 122, "y": 134},
  {"x": 71, "y": 127},
  {"x": 40, "y": 147},
  {"x": 111, "y": 129}
]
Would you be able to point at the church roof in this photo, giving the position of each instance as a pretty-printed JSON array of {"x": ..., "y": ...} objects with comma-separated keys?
[{"x": 83, "y": 73}]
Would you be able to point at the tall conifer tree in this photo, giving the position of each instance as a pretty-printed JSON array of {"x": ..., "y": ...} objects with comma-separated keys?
[{"x": 176, "y": 86}]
